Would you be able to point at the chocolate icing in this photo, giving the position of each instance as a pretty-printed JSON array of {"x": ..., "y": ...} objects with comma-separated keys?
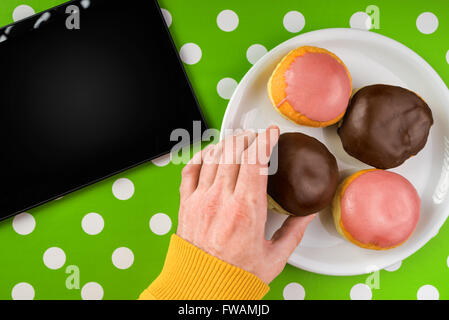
[
  {"x": 307, "y": 175},
  {"x": 385, "y": 125}
]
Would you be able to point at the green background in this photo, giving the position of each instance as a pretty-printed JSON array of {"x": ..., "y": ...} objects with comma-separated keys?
[{"x": 58, "y": 224}]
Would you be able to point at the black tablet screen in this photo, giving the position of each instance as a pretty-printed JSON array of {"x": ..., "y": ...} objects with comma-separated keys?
[{"x": 78, "y": 105}]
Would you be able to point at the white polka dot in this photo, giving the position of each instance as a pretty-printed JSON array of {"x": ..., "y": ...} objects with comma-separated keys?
[
  {"x": 361, "y": 292},
  {"x": 255, "y": 52},
  {"x": 54, "y": 258},
  {"x": 360, "y": 20},
  {"x": 123, "y": 189},
  {"x": 427, "y": 23},
  {"x": 167, "y": 17},
  {"x": 92, "y": 291},
  {"x": 22, "y": 291},
  {"x": 226, "y": 87},
  {"x": 85, "y": 4},
  {"x": 227, "y": 20},
  {"x": 190, "y": 53},
  {"x": 23, "y": 223},
  {"x": 122, "y": 258},
  {"x": 294, "y": 21},
  {"x": 92, "y": 223},
  {"x": 447, "y": 56},
  {"x": 428, "y": 292},
  {"x": 160, "y": 224},
  {"x": 394, "y": 267},
  {"x": 163, "y": 160},
  {"x": 294, "y": 291},
  {"x": 447, "y": 262},
  {"x": 21, "y": 12}
]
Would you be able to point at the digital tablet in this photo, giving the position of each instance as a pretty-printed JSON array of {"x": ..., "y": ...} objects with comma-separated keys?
[{"x": 86, "y": 92}]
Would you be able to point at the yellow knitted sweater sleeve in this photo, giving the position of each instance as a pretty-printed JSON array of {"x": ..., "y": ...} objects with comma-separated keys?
[{"x": 189, "y": 273}]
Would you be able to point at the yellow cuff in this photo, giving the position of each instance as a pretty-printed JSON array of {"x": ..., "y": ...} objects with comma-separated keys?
[{"x": 189, "y": 273}]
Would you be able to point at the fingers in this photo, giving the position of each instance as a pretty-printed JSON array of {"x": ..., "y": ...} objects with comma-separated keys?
[
  {"x": 211, "y": 158},
  {"x": 230, "y": 159},
  {"x": 290, "y": 234},
  {"x": 219, "y": 157},
  {"x": 253, "y": 171},
  {"x": 224, "y": 163},
  {"x": 190, "y": 176}
]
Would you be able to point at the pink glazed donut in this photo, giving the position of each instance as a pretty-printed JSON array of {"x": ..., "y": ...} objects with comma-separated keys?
[
  {"x": 311, "y": 86},
  {"x": 376, "y": 209}
]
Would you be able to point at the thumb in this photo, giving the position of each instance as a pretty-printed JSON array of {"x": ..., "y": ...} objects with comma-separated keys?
[{"x": 290, "y": 234}]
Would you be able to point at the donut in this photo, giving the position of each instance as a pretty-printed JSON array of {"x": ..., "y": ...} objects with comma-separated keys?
[
  {"x": 385, "y": 125},
  {"x": 376, "y": 209},
  {"x": 306, "y": 178},
  {"x": 310, "y": 86}
]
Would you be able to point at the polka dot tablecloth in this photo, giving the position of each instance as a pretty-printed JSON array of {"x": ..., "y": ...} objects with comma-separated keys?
[{"x": 108, "y": 241}]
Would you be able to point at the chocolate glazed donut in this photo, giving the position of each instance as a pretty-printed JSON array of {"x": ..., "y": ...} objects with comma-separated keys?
[
  {"x": 385, "y": 125},
  {"x": 307, "y": 176}
]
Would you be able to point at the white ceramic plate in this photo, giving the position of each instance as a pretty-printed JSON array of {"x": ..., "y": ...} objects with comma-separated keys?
[{"x": 371, "y": 58}]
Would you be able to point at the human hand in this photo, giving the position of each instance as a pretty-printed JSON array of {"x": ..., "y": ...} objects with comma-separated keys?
[{"x": 223, "y": 207}]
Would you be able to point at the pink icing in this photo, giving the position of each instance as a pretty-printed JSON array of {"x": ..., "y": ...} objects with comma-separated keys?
[
  {"x": 381, "y": 208},
  {"x": 318, "y": 86}
]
